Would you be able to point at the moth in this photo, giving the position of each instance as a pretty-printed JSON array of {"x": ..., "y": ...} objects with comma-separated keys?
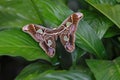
[{"x": 47, "y": 37}]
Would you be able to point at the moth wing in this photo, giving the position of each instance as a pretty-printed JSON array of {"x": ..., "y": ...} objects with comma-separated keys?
[
  {"x": 67, "y": 36},
  {"x": 46, "y": 41},
  {"x": 48, "y": 45},
  {"x": 35, "y": 31}
]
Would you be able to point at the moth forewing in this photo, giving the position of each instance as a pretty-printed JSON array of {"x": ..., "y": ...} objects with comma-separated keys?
[
  {"x": 70, "y": 29},
  {"x": 30, "y": 29}
]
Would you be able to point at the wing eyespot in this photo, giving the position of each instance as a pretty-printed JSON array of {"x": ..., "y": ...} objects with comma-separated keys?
[
  {"x": 49, "y": 43},
  {"x": 68, "y": 24},
  {"x": 66, "y": 38},
  {"x": 40, "y": 31}
]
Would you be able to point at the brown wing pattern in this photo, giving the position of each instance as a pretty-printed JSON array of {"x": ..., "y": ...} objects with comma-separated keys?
[{"x": 47, "y": 37}]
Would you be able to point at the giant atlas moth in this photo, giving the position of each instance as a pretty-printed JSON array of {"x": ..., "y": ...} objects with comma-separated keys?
[{"x": 47, "y": 37}]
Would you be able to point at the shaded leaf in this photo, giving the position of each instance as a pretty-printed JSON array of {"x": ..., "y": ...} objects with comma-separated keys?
[
  {"x": 58, "y": 75},
  {"x": 98, "y": 22},
  {"x": 88, "y": 40},
  {"x": 52, "y": 13},
  {"x": 76, "y": 55},
  {"x": 104, "y": 69},
  {"x": 33, "y": 70},
  {"x": 44, "y": 12},
  {"x": 14, "y": 42},
  {"x": 17, "y": 13},
  {"x": 110, "y": 8},
  {"x": 113, "y": 31},
  {"x": 83, "y": 4},
  {"x": 118, "y": 1}
]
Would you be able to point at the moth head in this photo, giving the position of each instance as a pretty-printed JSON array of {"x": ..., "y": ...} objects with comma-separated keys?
[{"x": 78, "y": 15}]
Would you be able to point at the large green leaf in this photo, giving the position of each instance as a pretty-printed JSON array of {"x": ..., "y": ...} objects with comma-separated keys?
[
  {"x": 98, "y": 22},
  {"x": 40, "y": 71},
  {"x": 112, "y": 31},
  {"x": 104, "y": 69},
  {"x": 54, "y": 12},
  {"x": 33, "y": 70},
  {"x": 12, "y": 14},
  {"x": 21, "y": 12},
  {"x": 14, "y": 42},
  {"x": 47, "y": 12},
  {"x": 51, "y": 12},
  {"x": 88, "y": 40},
  {"x": 55, "y": 75},
  {"x": 64, "y": 75},
  {"x": 110, "y": 8},
  {"x": 118, "y": 1},
  {"x": 17, "y": 13}
]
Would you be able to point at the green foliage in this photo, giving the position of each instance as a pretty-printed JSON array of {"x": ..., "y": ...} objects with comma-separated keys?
[
  {"x": 13, "y": 14},
  {"x": 98, "y": 22},
  {"x": 88, "y": 40},
  {"x": 14, "y": 42},
  {"x": 36, "y": 69},
  {"x": 104, "y": 69},
  {"x": 110, "y": 8},
  {"x": 51, "y": 13},
  {"x": 51, "y": 74},
  {"x": 97, "y": 39}
]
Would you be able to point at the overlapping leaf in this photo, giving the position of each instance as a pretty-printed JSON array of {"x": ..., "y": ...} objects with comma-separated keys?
[
  {"x": 51, "y": 12},
  {"x": 33, "y": 70},
  {"x": 17, "y": 13},
  {"x": 98, "y": 22},
  {"x": 54, "y": 75},
  {"x": 110, "y": 8},
  {"x": 14, "y": 42},
  {"x": 13, "y": 14},
  {"x": 88, "y": 40},
  {"x": 105, "y": 70},
  {"x": 56, "y": 13},
  {"x": 113, "y": 31}
]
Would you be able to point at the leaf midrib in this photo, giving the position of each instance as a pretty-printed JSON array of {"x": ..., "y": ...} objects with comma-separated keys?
[
  {"x": 89, "y": 45},
  {"x": 19, "y": 47},
  {"x": 103, "y": 13},
  {"x": 37, "y": 11}
]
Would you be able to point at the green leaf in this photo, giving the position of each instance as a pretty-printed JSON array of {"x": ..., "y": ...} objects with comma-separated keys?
[
  {"x": 45, "y": 12},
  {"x": 33, "y": 70},
  {"x": 52, "y": 13},
  {"x": 104, "y": 69},
  {"x": 98, "y": 22},
  {"x": 118, "y": 1},
  {"x": 17, "y": 13},
  {"x": 14, "y": 42},
  {"x": 112, "y": 31},
  {"x": 57, "y": 75},
  {"x": 110, "y": 8},
  {"x": 88, "y": 40},
  {"x": 76, "y": 55}
]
